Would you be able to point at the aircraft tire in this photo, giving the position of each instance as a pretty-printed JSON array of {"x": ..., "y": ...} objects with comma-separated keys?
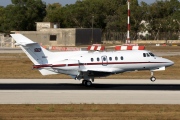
[
  {"x": 88, "y": 83},
  {"x": 84, "y": 82},
  {"x": 153, "y": 79}
]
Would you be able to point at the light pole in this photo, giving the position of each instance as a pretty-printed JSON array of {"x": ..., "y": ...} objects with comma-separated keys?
[{"x": 92, "y": 29}]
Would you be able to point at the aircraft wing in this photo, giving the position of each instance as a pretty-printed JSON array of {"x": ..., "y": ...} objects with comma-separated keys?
[
  {"x": 109, "y": 70},
  {"x": 159, "y": 69},
  {"x": 99, "y": 72}
]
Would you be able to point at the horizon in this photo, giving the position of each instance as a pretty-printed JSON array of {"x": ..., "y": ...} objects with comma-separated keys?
[{"x": 62, "y": 2}]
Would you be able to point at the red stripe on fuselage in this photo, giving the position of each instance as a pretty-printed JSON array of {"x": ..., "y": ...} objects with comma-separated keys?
[
  {"x": 99, "y": 63},
  {"x": 73, "y": 65},
  {"x": 48, "y": 65}
]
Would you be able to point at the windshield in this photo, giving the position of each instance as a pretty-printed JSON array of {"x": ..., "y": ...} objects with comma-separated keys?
[{"x": 152, "y": 54}]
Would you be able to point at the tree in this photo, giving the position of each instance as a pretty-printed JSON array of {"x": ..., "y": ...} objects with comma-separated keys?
[
  {"x": 2, "y": 18},
  {"x": 136, "y": 16},
  {"x": 161, "y": 15},
  {"x": 81, "y": 14},
  {"x": 22, "y": 14},
  {"x": 109, "y": 15},
  {"x": 54, "y": 13}
]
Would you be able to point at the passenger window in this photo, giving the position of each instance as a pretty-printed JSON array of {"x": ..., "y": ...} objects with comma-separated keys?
[
  {"x": 144, "y": 54},
  {"x": 97, "y": 59},
  {"x": 110, "y": 58},
  {"x": 116, "y": 58},
  {"x": 122, "y": 58},
  {"x": 92, "y": 59},
  {"x": 104, "y": 59}
]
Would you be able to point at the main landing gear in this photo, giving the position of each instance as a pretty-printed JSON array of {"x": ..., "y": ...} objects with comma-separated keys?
[
  {"x": 152, "y": 77},
  {"x": 87, "y": 83}
]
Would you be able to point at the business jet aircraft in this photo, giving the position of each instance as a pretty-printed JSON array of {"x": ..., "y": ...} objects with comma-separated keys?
[{"x": 87, "y": 65}]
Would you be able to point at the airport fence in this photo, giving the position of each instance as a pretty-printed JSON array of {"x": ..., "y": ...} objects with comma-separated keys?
[
  {"x": 122, "y": 36},
  {"x": 6, "y": 41}
]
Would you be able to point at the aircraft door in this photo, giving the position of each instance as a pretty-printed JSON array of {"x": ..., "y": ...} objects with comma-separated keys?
[{"x": 104, "y": 60}]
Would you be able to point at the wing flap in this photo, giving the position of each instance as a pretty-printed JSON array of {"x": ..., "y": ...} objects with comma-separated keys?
[
  {"x": 109, "y": 70},
  {"x": 47, "y": 71}
]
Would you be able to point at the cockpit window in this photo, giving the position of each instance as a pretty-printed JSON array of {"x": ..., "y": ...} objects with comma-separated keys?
[
  {"x": 147, "y": 55},
  {"x": 144, "y": 54},
  {"x": 152, "y": 54}
]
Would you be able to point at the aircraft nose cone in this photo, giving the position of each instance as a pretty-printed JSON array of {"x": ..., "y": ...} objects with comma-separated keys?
[{"x": 170, "y": 63}]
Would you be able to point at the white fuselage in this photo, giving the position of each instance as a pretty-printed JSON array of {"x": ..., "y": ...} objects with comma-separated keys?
[
  {"x": 87, "y": 65},
  {"x": 113, "y": 62}
]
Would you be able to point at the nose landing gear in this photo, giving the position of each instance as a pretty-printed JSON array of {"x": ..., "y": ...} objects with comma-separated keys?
[{"x": 152, "y": 77}]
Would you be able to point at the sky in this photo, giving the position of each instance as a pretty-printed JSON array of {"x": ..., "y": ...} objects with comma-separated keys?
[{"x": 63, "y": 2}]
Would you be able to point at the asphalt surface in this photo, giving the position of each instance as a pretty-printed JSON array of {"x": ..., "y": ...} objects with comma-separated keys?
[
  {"x": 100, "y": 84},
  {"x": 103, "y": 91}
]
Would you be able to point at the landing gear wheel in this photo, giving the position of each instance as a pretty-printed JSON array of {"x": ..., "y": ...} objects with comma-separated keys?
[
  {"x": 153, "y": 79},
  {"x": 84, "y": 82},
  {"x": 88, "y": 83}
]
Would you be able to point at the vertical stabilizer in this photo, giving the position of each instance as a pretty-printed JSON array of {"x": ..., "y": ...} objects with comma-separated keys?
[{"x": 37, "y": 54}]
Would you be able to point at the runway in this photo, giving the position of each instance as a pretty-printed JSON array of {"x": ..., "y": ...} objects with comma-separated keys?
[{"x": 103, "y": 91}]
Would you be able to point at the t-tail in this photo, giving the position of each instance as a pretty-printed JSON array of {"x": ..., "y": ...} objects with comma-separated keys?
[{"x": 37, "y": 54}]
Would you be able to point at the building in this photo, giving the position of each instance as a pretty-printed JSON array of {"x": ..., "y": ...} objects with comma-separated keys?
[{"x": 49, "y": 34}]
